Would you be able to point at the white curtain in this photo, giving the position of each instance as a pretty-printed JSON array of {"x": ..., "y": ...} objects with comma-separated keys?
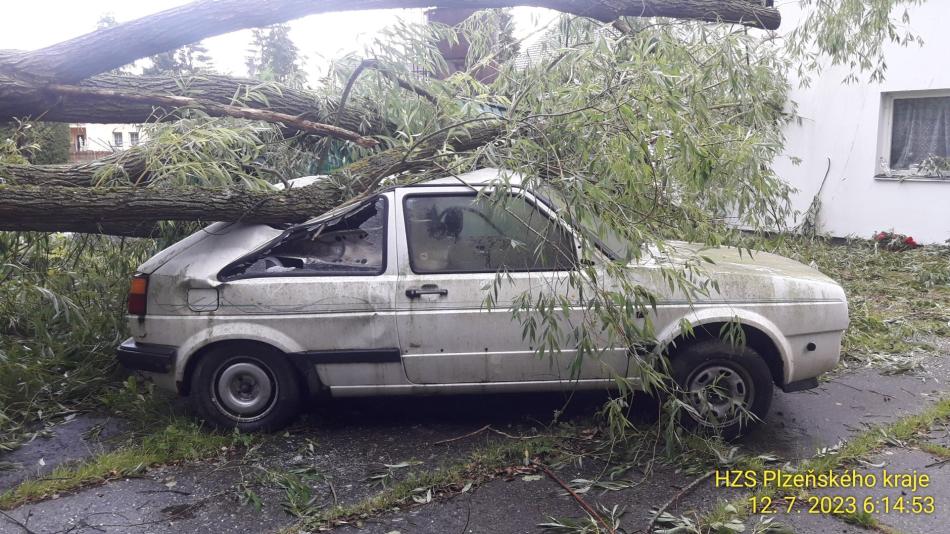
[{"x": 921, "y": 129}]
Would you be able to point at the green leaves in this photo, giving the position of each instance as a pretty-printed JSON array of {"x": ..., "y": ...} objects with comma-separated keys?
[
  {"x": 213, "y": 152},
  {"x": 61, "y": 304},
  {"x": 851, "y": 33}
]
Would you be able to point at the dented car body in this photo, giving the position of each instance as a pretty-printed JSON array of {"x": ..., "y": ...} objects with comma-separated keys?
[{"x": 388, "y": 297}]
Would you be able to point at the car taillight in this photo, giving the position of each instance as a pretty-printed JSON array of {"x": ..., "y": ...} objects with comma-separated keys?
[{"x": 138, "y": 292}]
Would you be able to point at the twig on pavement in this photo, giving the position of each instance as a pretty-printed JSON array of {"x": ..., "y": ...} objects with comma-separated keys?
[
  {"x": 483, "y": 429},
  {"x": 679, "y": 495},
  {"x": 587, "y": 508}
]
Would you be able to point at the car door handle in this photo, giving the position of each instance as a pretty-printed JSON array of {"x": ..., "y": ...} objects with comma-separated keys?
[{"x": 427, "y": 289}]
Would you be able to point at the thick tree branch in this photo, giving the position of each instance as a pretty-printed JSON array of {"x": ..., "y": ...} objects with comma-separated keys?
[
  {"x": 43, "y": 83},
  {"x": 349, "y": 87},
  {"x": 18, "y": 99},
  {"x": 131, "y": 162},
  {"x": 56, "y": 208},
  {"x": 219, "y": 110},
  {"x": 405, "y": 84},
  {"x": 106, "y": 49},
  {"x": 58, "y": 83}
]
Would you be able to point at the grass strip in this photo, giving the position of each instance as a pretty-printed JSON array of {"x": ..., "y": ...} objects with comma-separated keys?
[
  {"x": 480, "y": 466},
  {"x": 180, "y": 440},
  {"x": 935, "y": 449}
]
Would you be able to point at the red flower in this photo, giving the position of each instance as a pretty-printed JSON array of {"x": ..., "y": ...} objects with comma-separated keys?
[{"x": 909, "y": 241}]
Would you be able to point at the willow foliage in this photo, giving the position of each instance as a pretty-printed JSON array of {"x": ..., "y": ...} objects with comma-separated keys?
[
  {"x": 663, "y": 131},
  {"x": 851, "y": 33},
  {"x": 646, "y": 131}
]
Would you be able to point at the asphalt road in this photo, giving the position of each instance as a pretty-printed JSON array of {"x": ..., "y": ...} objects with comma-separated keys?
[{"x": 361, "y": 435}]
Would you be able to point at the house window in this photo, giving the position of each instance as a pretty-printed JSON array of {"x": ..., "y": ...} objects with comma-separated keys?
[
  {"x": 117, "y": 138},
  {"x": 916, "y": 136},
  {"x": 133, "y": 138}
]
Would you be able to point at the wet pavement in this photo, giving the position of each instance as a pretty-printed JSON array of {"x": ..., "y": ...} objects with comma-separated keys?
[
  {"x": 335, "y": 455},
  {"x": 74, "y": 439},
  {"x": 801, "y": 423},
  {"x": 895, "y": 506}
]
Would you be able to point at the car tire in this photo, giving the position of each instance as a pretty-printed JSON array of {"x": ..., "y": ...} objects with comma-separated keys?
[
  {"x": 250, "y": 387},
  {"x": 741, "y": 377}
]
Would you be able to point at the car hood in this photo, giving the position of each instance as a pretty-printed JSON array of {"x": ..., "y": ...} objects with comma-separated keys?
[
  {"x": 734, "y": 260},
  {"x": 744, "y": 275}
]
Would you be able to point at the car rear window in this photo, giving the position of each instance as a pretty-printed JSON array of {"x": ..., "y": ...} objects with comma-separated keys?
[{"x": 352, "y": 245}]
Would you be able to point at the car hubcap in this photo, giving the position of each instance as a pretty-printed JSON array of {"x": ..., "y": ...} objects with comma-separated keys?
[
  {"x": 719, "y": 394},
  {"x": 245, "y": 390}
]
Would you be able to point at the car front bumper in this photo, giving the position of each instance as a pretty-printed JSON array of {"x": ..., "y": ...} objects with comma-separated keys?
[{"x": 147, "y": 357}]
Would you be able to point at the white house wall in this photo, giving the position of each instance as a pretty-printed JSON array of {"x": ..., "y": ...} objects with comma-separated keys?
[
  {"x": 840, "y": 123},
  {"x": 100, "y": 137}
]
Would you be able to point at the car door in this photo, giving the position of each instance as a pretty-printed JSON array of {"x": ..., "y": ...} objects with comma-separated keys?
[{"x": 456, "y": 249}]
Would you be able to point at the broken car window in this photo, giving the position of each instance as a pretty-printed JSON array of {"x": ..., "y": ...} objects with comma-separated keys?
[
  {"x": 353, "y": 244},
  {"x": 464, "y": 233}
]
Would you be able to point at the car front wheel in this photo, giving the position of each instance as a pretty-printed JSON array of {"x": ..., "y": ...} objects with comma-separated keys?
[
  {"x": 248, "y": 387},
  {"x": 727, "y": 388}
]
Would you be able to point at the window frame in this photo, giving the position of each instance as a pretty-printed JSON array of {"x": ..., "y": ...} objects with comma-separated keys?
[
  {"x": 134, "y": 139},
  {"x": 886, "y": 133},
  {"x": 118, "y": 139},
  {"x": 523, "y": 194},
  {"x": 384, "y": 267}
]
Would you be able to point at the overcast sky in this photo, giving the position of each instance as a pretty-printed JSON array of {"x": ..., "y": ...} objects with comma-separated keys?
[{"x": 38, "y": 23}]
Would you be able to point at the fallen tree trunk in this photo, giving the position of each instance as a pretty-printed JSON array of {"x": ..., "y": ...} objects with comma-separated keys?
[
  {"x": 25, "y": 77},
  {"x": 59, "y": 83},
  {"x": 131, "y": 161},
  {"x": 57, "y": 208},
  {"x": 63, "y": 208},
  {"x": 100, "y": 106},
  {"x": 223, "y": 110},
  {"x": 110, "y": 48}
]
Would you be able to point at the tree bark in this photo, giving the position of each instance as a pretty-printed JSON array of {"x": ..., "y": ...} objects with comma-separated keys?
[
  {"x": 131, "y": 161},
  {"x": 27, "y": 79},
  {"x": 225, "y": 110},
  {"x": 110, "y": 48},
  {"x": 43, "y": 84},
  {"x": 57, "y": 208},
  {"x": 19, "y": 99}
]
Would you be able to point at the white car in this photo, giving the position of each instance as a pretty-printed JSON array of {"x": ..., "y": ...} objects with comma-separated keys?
[{"x": 387, "y": 297}]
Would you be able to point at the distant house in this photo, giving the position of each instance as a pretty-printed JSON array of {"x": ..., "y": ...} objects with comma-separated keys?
[
  {"x": 93, "y": 141},
  {"x": 877, "y": 155},
  {"x": 455, "y": 54}
]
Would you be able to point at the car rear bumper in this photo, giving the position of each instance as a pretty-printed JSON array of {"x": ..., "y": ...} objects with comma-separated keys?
[{"x": 146, "y": 357}]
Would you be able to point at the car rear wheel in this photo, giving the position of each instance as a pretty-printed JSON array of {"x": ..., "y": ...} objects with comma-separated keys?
[
  {"x": 248, "y": 387},
  {"x": 727, "y": 388}
]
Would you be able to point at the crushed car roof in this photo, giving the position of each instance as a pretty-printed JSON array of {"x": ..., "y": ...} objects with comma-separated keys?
[{"x": 478, "y": 177}]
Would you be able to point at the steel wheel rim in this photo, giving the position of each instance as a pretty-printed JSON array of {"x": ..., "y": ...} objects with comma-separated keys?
[
  {"x": 245, "y": 390},
  {"x": 720, "y": 394}
]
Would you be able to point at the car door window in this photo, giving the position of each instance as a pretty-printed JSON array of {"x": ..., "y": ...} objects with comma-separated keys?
[
  {"x": 352, "y": 245},
  {"x": 474, "y": 234}
]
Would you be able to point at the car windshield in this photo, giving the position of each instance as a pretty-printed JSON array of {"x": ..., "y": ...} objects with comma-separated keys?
[{"x": 591, "y": 226}]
